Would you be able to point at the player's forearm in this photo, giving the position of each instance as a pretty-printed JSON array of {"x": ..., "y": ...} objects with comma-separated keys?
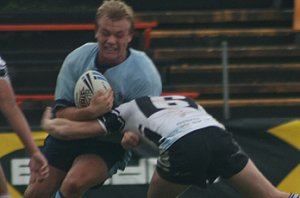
[
  {"x": 70, "y": 130},
  {"x": 77, "y": 114},
  {"x": 20, "y": 125},
  {"x": 15, "y": 116},
  {"x": 87, "y": 129}
]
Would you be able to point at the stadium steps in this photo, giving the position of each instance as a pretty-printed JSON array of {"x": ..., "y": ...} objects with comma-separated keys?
[
  {"x": 229, "y": 17},
  {"x": 214, "y": 36},
  {"x": 259, "y": 63},
  {"x": 241, "y": 52},
  {"x": 284, "y": 107},
  {"x": 263, "y": 52},
  {"x": 239, "y": 89},
  {"x": 243, "y": 78}
]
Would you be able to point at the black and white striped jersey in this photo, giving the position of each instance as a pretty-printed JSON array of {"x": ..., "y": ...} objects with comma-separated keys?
[{"x": 164, "y": 120}]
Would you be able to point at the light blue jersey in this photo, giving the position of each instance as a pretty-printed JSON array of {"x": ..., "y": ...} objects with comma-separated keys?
[{"x": 137, "y": 76}]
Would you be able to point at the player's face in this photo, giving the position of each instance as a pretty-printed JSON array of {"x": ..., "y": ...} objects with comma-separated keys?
[{"x": 113, "y": 37}]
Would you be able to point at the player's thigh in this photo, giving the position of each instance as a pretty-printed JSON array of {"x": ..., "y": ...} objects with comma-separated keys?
[
  {"x": 251, "y": 183},
  {"x": 161, "y": 188},
  {"x": 87, "y": 170},
  {"x": 47, "y": 187}
]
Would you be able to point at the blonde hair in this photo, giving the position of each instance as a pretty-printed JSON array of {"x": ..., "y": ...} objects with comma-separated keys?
[{"x": 116, "y": 10}]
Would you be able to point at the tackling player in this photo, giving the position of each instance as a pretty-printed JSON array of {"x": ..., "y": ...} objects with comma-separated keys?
[{"x": 194, "y": 148}]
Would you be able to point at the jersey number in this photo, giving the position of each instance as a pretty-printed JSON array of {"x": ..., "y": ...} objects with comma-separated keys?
[{"x": 170, "y": 102}]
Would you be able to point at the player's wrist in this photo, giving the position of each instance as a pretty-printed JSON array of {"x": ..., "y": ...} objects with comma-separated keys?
[
  {"x": 104, "y": 129},
  {"x": 91, "y": 112},
  {"x": 111, "y": 123}
]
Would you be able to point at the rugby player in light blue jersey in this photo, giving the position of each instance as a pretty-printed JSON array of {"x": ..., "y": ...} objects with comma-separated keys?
[
  {"x": 194, "y": 148},
  {"x": 76, "y": 166},
  {"x": 136, "y": 76}
]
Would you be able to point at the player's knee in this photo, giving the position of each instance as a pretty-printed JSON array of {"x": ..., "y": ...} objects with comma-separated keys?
[
  {"x": 28, "y": 193},
  {"x": 72, "y": 188},
  {"x": 33, "y": 193}
]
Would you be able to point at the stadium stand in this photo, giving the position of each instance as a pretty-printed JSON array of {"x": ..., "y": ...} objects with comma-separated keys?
[{"x": 263, "y": 51}]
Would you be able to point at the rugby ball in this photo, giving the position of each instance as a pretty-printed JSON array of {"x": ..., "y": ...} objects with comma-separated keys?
[{"x": 87, "y": 85}]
